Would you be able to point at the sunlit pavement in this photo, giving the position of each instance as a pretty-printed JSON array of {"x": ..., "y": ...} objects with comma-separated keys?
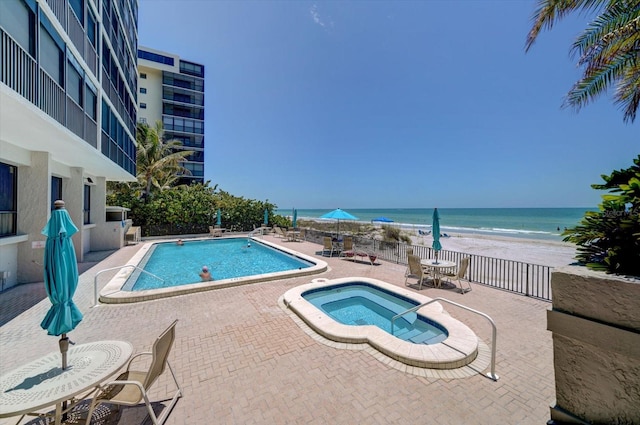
[{"x": 242, "y": 359}]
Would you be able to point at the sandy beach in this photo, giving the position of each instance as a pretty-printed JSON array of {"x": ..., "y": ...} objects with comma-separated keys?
[{"x": 543, "y": 252}]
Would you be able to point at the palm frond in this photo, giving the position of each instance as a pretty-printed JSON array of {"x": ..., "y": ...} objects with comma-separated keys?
[{"x": 549, "y": 12}]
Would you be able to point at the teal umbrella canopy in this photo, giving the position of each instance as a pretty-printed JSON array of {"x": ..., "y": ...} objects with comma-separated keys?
[
  {"x": 435, "y": 231},
  {"x": 218, "y": 218},
  {"x": 294, "y": 222},
  {"x": 339, "y": 214},
  {"x": 60, "y": 276},
  {"x": 266, "y": 216}
]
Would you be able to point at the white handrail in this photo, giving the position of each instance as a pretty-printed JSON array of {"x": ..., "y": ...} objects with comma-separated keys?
[
  {"x": 95, "y": 280},
  {"x": 494, "y": 335}
]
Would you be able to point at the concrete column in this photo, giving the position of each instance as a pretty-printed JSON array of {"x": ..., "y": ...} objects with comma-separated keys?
[
  {"x": 73, "y": 192},
  {"x": 34, "y": 203},
  {"x": 98, "y": 201},
  {"x": 595, "y": 322}
]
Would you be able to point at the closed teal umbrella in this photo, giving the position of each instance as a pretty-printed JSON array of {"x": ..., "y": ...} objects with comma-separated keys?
[
  {"x": 219, "y": 218},
  {"x": 294, "y": 222},
  {"x": 266, "y": 216},
  {"x": 60, "y": 277},
  {"x": 435, "y": 231}
]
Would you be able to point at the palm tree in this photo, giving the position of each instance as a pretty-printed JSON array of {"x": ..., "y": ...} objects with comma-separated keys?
[
  {"x": 609, "y": 50},
  {"x": 159, "y": 162}
]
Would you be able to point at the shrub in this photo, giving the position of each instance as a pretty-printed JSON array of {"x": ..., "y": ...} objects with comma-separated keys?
[{"x": 609, "y": 239}]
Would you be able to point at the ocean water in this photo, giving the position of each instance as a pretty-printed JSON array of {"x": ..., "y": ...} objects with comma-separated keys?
[{"x": 530, "y": 223}]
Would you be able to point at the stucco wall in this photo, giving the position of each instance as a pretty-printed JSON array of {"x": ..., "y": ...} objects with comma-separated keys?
[{"x": 595, "y": 322}]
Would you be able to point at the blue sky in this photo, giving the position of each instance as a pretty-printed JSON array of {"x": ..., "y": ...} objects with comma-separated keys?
[{"x": 374, "y": 104}]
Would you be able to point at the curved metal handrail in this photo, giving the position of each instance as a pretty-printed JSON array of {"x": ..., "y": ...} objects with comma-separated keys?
[
  {"x": 95, "y": 279},
  {"x": 494, "y": 335}
]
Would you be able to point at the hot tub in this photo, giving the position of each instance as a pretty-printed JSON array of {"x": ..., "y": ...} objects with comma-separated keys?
[{"x": 428, "y": 338}]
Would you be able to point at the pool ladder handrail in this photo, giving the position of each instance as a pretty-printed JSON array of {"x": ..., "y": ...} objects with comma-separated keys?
[
  {"x": 494, "y": 335},
  {"x": 95, "y": 280}
]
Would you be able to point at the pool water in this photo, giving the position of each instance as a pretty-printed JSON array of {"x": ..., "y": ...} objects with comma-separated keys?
[
  {"x": 358, "y": 304},
  {"x": 225, "y": 258}
]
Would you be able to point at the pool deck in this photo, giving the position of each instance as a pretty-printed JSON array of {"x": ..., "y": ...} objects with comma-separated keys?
[{"x": 242, "y": 359}]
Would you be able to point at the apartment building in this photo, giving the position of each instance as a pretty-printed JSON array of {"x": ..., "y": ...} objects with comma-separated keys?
[
  {"x": 172, "y": 91},
  {"x": 68, "y": 111}
]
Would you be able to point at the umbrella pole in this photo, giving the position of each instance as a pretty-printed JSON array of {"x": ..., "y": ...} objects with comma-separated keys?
[{"x": 64, "y": 347}]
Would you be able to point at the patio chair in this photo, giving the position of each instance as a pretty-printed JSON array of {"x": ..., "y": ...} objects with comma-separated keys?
[
  {"x": 215, "y": 231},
  {"x": 409, "y": 252},
  {"x": 282, "y": 233},
  {"x": 327, "y": 245},
  {"x": 459, "y": 275},
  {"x": 301, "y": 236},
  {"x": 347, "y": 248},
  {"x": 416, "y": 271},
  {"x": 131, "y": 387}
]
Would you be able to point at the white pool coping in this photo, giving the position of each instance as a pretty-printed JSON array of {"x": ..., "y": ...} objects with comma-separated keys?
[
  {"x": 458, "y": 350},
  {"x": 113, "y": 292}
]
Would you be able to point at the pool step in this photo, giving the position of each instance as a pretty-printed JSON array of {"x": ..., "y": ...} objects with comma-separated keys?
[
  {"x": 419, "y": 336},
  {"x": 427, "y": 338},
  {"x": 408, "y": 333}
]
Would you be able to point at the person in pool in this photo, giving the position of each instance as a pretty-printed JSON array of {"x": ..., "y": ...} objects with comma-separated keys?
[{"x": 205, "y": 275}]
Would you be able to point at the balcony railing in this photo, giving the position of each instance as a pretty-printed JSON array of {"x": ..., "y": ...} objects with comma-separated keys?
[
  {"x": 51, "y": 97},
  {"x": 75, "y": 118},
  {"x": 91, "y": 131},
  {"x": 17, "y": 68},
  {"x": 76, "y": 32},
  {"x": 59, "y": 8}
]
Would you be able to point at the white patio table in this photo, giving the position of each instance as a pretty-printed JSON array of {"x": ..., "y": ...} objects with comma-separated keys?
[
  {"x": 437, "y": 267},
  {"x": 42, "y": 382}
]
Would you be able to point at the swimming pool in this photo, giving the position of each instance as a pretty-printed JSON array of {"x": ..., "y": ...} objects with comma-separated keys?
[
  {"x": 454, "y": 344},
  {"x": 225, "y": 258},
  {"x": 361, "y": 304},
  {"x": 232, "y": 261}
]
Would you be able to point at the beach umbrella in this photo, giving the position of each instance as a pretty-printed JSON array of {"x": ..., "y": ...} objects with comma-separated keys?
[
  {"x": 435, "y": 231},
  {"x": 382, "y": 220},
  {"x": 339, "y": 214},
  {"x": 266, "y": 216},
  {"x": 60, "y": 277},
  {"x": 294, "y": 222},
  {"x": 218, "y": 218}
]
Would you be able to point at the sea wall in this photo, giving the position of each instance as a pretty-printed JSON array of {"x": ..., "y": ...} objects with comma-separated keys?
[{"x": 595, "y": 322}]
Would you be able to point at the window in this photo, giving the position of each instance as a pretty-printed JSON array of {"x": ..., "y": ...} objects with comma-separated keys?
[
  {"x": 91, "y": 104},
  {"x": 191, "y": 68},
  {"x": 143, "y": 90},
  {"x": 74, "y": 79},
  {"x": 18, "y": 19},
  {"x": 154, "y": 57},
  {"x": 143, "y": 106},
  {"x": 56, "y": 190},
  {"x": 78, "y": 9},
  {"x": 143, "y": 75},
  {"x": 91, "y": 29},
  {"x": 87, "y": 204},
  {"x": 51, "y": 54},
  {"x": 8, "y": 199}
]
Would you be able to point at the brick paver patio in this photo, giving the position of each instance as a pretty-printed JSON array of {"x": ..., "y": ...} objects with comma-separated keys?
[{"x": 242, "y": 359}]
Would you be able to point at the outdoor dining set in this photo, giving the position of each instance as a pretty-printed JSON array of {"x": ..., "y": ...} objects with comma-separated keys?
[{"x": 66, "y": 377}]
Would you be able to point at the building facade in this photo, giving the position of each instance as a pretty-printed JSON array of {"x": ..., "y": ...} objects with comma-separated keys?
[
  {"x": 172, "y": 91},
  {"x": 68, "y": 111}
]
